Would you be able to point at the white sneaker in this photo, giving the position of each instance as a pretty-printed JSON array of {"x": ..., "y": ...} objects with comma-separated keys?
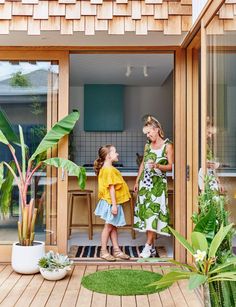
[{"x": 146, "y": 252}]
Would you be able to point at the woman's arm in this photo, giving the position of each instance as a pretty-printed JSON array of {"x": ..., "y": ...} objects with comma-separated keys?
[
  {"x": 170, "y": 159},
  {"x": 112, "y": 191},
  {"x": 138, "y": 176}
]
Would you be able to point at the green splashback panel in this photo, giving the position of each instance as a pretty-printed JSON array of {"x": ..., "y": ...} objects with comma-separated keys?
[{"x": 103, "y": 107}]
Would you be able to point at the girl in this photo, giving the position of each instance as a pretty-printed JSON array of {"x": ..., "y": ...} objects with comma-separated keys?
[{"x": 112, "y": 193}]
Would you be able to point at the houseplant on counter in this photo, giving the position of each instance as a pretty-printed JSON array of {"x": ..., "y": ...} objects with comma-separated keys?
[
  {"x": 54, "y": 266},
  {"x": 27, "y": 252}
]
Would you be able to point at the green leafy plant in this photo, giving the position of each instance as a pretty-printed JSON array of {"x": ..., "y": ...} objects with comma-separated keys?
[
  {"x": 205, "y": 269},
  {"x": 19, "y": 80},
  {"x": 25, "y": 170},
  {"x": 54, "y": 261}
]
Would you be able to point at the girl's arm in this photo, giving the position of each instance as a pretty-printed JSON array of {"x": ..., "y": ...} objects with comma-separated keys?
[
  {"x": 138, "y": 176},
  {"x": 112, "y": 191},
  {"x": 170, "y": 158}
]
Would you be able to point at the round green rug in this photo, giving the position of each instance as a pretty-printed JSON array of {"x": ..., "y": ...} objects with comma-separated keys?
[{"x": 121, "y": 282}]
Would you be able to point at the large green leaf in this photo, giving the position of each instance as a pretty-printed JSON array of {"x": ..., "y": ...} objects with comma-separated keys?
[
  {"x": 196, "y": 280},
  {"x": 3, "y": 139},
  {"x": 58, "y": 131},
  {"x": 1, "y": 174},
  {"x": 231, "y": 276},
  {"x": 207, "y": 224},
  {"x": 7, "y": 129},
  {"x": 6, "y": 189},
  {"x": 229, "y": 262},
  {"x": 199, "y": 241},
  {"x": 219, "y": 237},
  {"x": 23, "y": 156},
  {"x": 169, "y": 278},
  {"x": 182, "y": 240},
  {"x": 70, "y": 167}
]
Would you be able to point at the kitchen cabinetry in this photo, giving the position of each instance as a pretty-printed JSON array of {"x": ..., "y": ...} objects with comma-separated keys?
[{"x": 103, "y": 107}]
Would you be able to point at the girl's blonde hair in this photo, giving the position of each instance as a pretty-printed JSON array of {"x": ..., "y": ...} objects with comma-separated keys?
[
  {"x": 151, "y": 121},
  {"x": 102, "y": 153}
]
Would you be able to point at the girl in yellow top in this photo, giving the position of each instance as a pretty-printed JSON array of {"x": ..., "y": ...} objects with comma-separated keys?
[{"x": 112, "y": 193}]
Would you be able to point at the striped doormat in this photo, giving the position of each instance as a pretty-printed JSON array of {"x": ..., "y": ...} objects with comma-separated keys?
[{"x": 94, "y": 251}]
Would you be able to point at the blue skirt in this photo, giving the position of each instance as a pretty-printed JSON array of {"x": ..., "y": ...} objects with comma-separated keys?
[{"x": 103, "y": 210}]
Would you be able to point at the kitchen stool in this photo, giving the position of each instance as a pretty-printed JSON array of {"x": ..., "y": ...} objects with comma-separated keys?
[
  {"x": 131, "y": 204},
  {"x": 80, "y": 193}
]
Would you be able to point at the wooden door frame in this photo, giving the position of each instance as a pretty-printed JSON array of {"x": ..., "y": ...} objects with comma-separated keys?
[
  {"x": 63, "y": 102},
  {"x": 179, "y": 128}
]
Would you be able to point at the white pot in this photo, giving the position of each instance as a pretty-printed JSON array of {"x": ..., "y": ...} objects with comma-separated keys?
[
  {"x": 24, "y": 259},
  {"x": 53, "y": 275}
]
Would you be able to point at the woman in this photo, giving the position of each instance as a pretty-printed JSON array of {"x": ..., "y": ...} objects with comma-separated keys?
[{"x": 151, "y": 211}]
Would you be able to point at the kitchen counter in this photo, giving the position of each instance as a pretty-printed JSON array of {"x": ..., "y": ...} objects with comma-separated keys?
[{"x": 125, "y": 171}]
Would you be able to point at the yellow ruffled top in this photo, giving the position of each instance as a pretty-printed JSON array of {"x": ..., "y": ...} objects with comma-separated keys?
[{"x": 109, "y": 175}]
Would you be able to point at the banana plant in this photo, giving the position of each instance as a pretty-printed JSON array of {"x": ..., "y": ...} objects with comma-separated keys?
[
  {"x": 22, "y": 172},
  {"x": 205, "y": 270}
]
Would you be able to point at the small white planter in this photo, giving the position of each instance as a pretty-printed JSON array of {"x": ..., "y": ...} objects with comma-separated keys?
[
  {"x": 25, "y": 259},
  {"x": 53, "y": 275}
]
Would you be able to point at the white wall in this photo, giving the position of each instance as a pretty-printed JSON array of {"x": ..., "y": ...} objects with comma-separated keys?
[
  {"x": 197, "y": 6},
  {"x": 139, "y": 101}
]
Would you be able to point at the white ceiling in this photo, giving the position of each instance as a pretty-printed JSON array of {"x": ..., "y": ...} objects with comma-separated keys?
[{"x": 111, "y": 69}]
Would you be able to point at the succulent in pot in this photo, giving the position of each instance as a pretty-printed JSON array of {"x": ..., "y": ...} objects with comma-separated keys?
[{"x": 54, "y": 266}]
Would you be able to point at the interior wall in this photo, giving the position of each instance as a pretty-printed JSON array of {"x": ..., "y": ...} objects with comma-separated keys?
[{"x": 139, "y": 101}]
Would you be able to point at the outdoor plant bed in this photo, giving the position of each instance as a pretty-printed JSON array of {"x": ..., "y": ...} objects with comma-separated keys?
[{"x": 122, "y": 282}]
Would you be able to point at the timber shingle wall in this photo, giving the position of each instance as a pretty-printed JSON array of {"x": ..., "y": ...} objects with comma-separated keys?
[
  {"x": 113, "y": 16},
  {"x": 225, "y": 20}
]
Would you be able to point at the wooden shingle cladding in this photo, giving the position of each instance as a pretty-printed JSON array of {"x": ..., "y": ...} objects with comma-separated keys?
[
  {"x": 112, "y": 16},
  {"x": 225, "y": 20}
]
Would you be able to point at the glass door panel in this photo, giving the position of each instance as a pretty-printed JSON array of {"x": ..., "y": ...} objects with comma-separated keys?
[{"x": 29, "y": 97}]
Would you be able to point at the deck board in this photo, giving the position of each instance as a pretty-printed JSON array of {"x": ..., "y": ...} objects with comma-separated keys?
[{"x": 32, "y": 290}]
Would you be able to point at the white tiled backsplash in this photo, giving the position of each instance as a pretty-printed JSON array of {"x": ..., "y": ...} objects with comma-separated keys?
[{"x": 85, "y": 145}]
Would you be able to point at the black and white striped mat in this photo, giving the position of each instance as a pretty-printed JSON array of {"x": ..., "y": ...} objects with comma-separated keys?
[{"x": 94, "y": 251}]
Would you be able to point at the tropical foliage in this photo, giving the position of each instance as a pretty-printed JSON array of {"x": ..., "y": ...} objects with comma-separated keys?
[
  {"x": 22, "y": 171},
  {"x": 211, "y": 248},
  {"x": 205, "y": 270}
]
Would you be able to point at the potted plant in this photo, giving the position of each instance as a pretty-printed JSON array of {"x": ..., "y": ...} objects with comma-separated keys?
[
  {"x": 54, "y": 266},
  {"x": 27, "y": 252}
]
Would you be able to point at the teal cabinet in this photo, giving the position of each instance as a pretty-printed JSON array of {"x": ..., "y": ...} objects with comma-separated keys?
[{"x": 103, "y": 107}]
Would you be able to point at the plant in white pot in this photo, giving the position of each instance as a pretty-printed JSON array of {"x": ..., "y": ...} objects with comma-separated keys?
[
  {"x": 26, "y": 253},
  {"x": 54, "y": 266}
]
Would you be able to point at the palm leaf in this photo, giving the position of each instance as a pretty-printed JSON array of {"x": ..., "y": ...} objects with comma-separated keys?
[
  {"x": 70, "y": 167},
  {"x": 182, "y": 240},
  {"x": 58, "y": 131},
  {"x": 7, "y": 129},
  {"x": 3, "y": 139}
]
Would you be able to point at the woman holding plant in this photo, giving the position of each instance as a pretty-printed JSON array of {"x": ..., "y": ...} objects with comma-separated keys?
[{"x": 151, "y": 212}]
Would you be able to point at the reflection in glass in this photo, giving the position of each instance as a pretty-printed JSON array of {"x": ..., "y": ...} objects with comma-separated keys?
[
  {"x": 221, "y": 106},
  {"x": 28, "y": 97}
]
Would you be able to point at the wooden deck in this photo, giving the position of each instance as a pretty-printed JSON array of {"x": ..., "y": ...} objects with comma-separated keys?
[{"x": 32, "y": 290}]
